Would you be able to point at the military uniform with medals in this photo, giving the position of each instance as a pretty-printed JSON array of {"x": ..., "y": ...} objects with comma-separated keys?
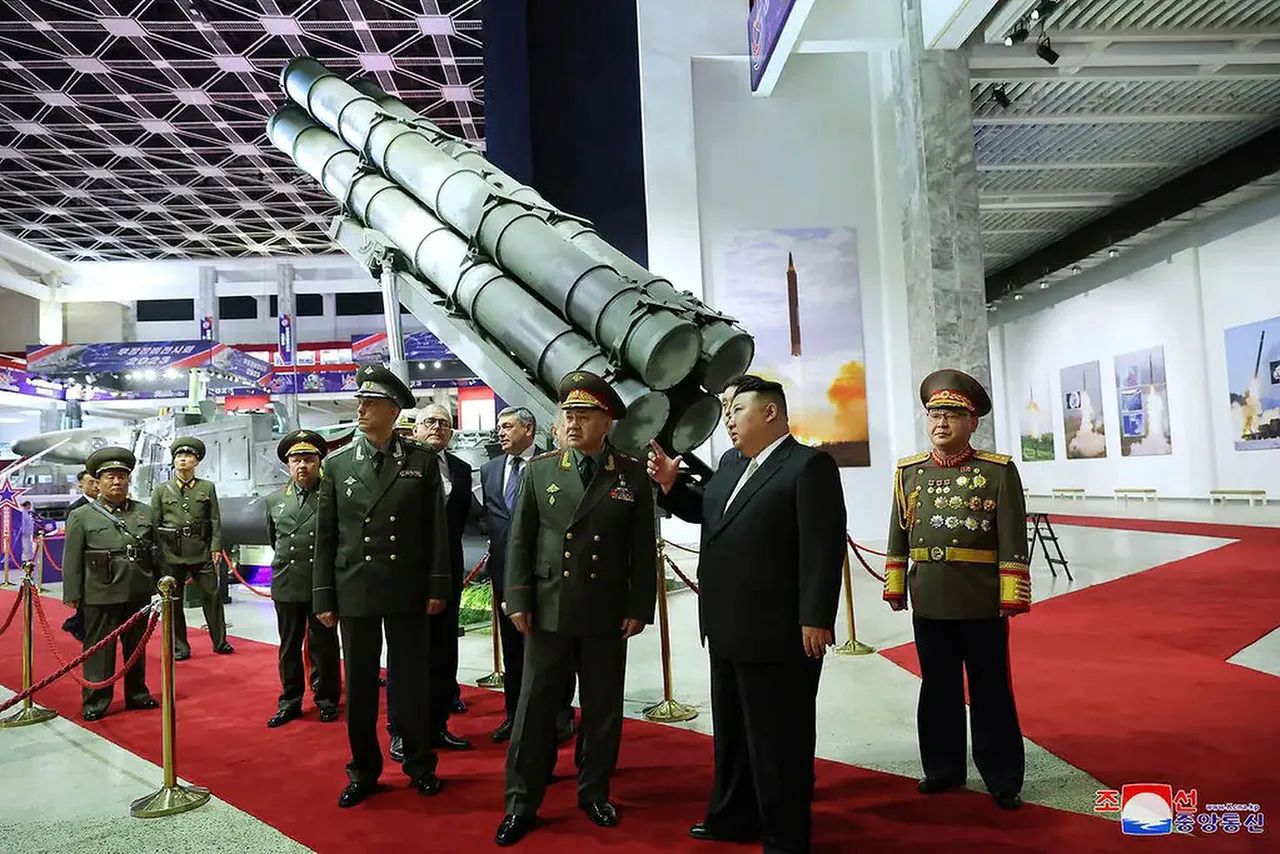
[
  {"x": 107, "y": 567},
  {"x": 382, "y": 552},
  {"x": 958, "y": 552},
  {"x": 581, "y": 559},
  {"x": 291, "y": 523},
  {"x": 188, "y": 528}
]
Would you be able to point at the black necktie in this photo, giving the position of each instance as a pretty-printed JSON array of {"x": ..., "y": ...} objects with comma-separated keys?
[
  {"x": 586, "y": 468},
  {"x": 377, "y": 462}
]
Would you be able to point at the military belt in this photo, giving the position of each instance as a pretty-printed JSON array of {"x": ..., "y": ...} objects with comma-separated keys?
[{"x": 941, "y": 554}]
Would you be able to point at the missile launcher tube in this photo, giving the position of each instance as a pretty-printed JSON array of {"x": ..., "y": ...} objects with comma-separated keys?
[
  {"x": 660, "y": 345},
  {"x": 547, "y": 346}
]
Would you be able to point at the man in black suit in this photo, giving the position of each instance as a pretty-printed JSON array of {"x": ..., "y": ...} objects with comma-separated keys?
[
  {"x": 74, "y": 625},
  {"x": 773, "y": 527},
  {"x": 434, "y": 428},
  {"x": 499, "y": 484}
]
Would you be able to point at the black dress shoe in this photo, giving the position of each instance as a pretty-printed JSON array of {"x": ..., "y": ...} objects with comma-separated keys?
[
  {"x": 445, "y": 740},
  {"x": 934, "y": 786},
  {"x": 503, "y": 732},
  {"x": 147, "y": 702},
  {"x": 512, "y": 829},
  {"x": 701, "y": 832},
  {"x": 397, "y": 749},
  {"x": 93, "y": 714},
  {"x": 601, "y": 813},
  {"x": 1007, "y": 800},
  {"x": 181, "y": 654},
  {"x": 224, "y": 648},
  {"x": 356, "y": 793},
  {"x": 458, "y": 707},
  {"x": 426, "y": 785},
  {"x": 329, "y": 714},
  {"x": 283, "y": 716}
]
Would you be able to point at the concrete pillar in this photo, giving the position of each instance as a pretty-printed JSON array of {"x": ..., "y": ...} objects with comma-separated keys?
[
  {"x": 50, "y": 325},
  {"x": 286, "y": 311},
  {"x": 207, "y": 299},
  {"x": 941, "y": 229}
]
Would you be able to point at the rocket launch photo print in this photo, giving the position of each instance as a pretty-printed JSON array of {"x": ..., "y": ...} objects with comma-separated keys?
[
  {"x": 1253, "y": 379},
  {"x": 796, "y": 290},
  {"x": 1082, "y": 412}
]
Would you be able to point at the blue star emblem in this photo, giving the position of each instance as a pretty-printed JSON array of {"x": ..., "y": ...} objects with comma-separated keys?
[{"x": 9, "y": 495}]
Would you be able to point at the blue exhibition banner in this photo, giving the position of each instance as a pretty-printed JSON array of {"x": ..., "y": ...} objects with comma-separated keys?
[
  {"x": 72, "y": 360},
  {"x": 764, "y": 26},
  {"x": 286, "y": 339},
  {"x": 421, "y": 346}
]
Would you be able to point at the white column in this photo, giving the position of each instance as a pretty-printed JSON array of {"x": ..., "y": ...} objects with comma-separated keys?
[{"x": 51, "y": 328}]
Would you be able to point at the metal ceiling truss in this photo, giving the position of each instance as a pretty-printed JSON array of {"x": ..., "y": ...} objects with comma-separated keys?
[
  {"x": 134, "y": 129},
  {"x": 1143, "y": 93}
]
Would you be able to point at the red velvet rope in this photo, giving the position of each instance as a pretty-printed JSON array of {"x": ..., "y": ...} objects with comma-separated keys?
[
  {"x": 857, "y": 552},
  {"x": 48, "y": 557},
  {"x": 231, "y": 566},
  {"x": 471, "y": 576},
  {"x": 859, "y": 547},
  {"x": 687, "y": 582},
  {"x": 14, "y": 610},
  {"x": 69, "y": 667}
]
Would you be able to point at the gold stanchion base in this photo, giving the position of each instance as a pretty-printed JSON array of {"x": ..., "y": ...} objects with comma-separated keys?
[
  {"x": 493, "y": 680},
  {"x": 854, "y": 647},
  {"x": 7, "y": 584},
  {"x": 169, "y": 801},
  {"x": 26, "y": 717},
  {"x": 670, "y": 711}
]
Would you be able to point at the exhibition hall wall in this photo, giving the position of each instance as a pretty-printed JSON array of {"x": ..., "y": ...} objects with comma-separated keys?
[{"x": 1149, "y": 380}]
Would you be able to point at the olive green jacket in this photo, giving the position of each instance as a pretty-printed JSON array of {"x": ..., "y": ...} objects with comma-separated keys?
[
  {"x": 187, "y": 522},
  {"x": 105, "y": 563},
  {"x": 382, "y": 545},
  {"x": 292, "y": 527},
  {"x": 583, "y": 559},
  {"x": 958, "y": 538}
]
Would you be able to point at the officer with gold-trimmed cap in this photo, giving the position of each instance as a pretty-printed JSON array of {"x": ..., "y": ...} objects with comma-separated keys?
[
  {"x": 581, "y": 580},
  {"x": 291, "y": 523},
  {"x": 107, "y": 567},
  {"x": 188, "y": 524},
  {"x": 958, "y": 553},
  {"x": 382, "y": 563}
]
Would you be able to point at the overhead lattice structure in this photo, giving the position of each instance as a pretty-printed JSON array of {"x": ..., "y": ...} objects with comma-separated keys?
[
  {"x": 133, "y": 129},
  {"x": 1142, "y": 92}
]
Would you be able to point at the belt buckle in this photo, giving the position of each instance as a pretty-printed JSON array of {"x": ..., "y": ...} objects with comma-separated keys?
[
  {"x": 937, "y": 553},
  {"x": 185, "y": 530},
  {"x": 131, "y": 553}
]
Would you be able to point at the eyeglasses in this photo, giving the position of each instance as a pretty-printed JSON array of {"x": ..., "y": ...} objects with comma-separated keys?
[
  {"x": 938, "y": 416},
  {"x": 435, "y": 422}
]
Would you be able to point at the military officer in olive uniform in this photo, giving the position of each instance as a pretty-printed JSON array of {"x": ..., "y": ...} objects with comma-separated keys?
[
  {"x": 291, "y": 522},
  {"x": 107, "y": 568},
  {"x": 958, "y": 552},
  {"x": 382, "y": 563},
  {"x": 581, "y": 580},
  {"x": 188, "y": 526}
]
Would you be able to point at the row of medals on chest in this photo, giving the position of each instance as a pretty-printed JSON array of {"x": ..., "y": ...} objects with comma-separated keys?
[{"x": 940, "y": 489}]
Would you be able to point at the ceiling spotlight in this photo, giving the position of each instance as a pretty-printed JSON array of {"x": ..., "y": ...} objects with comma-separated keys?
[
  {"x": 1076, "y": 269},
  {"x": 1113, "y": 253},
  {"x": 1043, "y": 10},
  {"x": 1001, "y": 97},
  {"x": 991, "y": 307},
  {"x": 436, "y": 364},
  {"x": 1044, "y": 286},
  {"x": 1017, "y": 35},
  {"x": 422, "y": 366},
  {"x": 1017, "y": 297},
  {"x": 1045, "y": 51}
]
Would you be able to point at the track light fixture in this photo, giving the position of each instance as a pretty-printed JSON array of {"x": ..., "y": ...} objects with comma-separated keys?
[
  {"x": 1043, "y": 10},
  {"x": 1001, "y": 97},
  {"x": 1045, "y": 51},
  {"x": 1076, "y": 269},
  {"x": 1113, "y": 253},
  {"x": 1018, "y": 34}
]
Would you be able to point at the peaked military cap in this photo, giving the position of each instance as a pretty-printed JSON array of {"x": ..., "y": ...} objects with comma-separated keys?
[
  {"x": 378, "y": 381},
  {"x": 585, "y": 390},
  {"x": 301, "y": 442},
  {"x": 111, "y": 457},
  {"x": 187, "y": 444},
  {"x": 952, "y": 389}
]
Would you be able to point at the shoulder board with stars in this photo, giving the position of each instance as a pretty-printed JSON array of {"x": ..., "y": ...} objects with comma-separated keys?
[
  {"x": 545, "y": 456},
  {"x": 992, "y": 457},
  {"x": 914, "y": 459},
  {"x": 342, "y": 450}
]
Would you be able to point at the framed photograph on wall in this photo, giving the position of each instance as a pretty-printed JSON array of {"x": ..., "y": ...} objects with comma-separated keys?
[
  {"x": 1082, "y": 415},
  {"x": 1035, "y": 422},
  {"x": 1141, "y": 385},
  {"x": 1253, "y": 380}
]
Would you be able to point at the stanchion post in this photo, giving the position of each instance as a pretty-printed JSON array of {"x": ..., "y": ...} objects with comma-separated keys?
[
  {"x": 669, "y": 710},
  {"x": 30, "y": 713},
  {"x": 852, "y": 646},
  {"x": 496, "y": 678},
  {"x": 39, "y": 556},
  {"x": 172, "y": 798}
]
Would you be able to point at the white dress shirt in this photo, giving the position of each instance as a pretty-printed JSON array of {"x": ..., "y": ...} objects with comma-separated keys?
[
  {"x": 758, "y": 459},
  {"x": 445, "y": 480}
]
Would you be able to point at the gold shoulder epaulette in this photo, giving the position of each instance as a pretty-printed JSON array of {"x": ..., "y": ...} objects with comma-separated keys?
[
  {"x": 544, "y": 456},
  {"x": 914, "y": 459},
  {"x": 993, "y": 457}
]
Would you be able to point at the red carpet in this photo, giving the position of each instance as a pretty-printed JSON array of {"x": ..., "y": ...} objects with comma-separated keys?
[
  {"x": 1128, "y": 680},
  {"x": 290, "y": 778}
]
